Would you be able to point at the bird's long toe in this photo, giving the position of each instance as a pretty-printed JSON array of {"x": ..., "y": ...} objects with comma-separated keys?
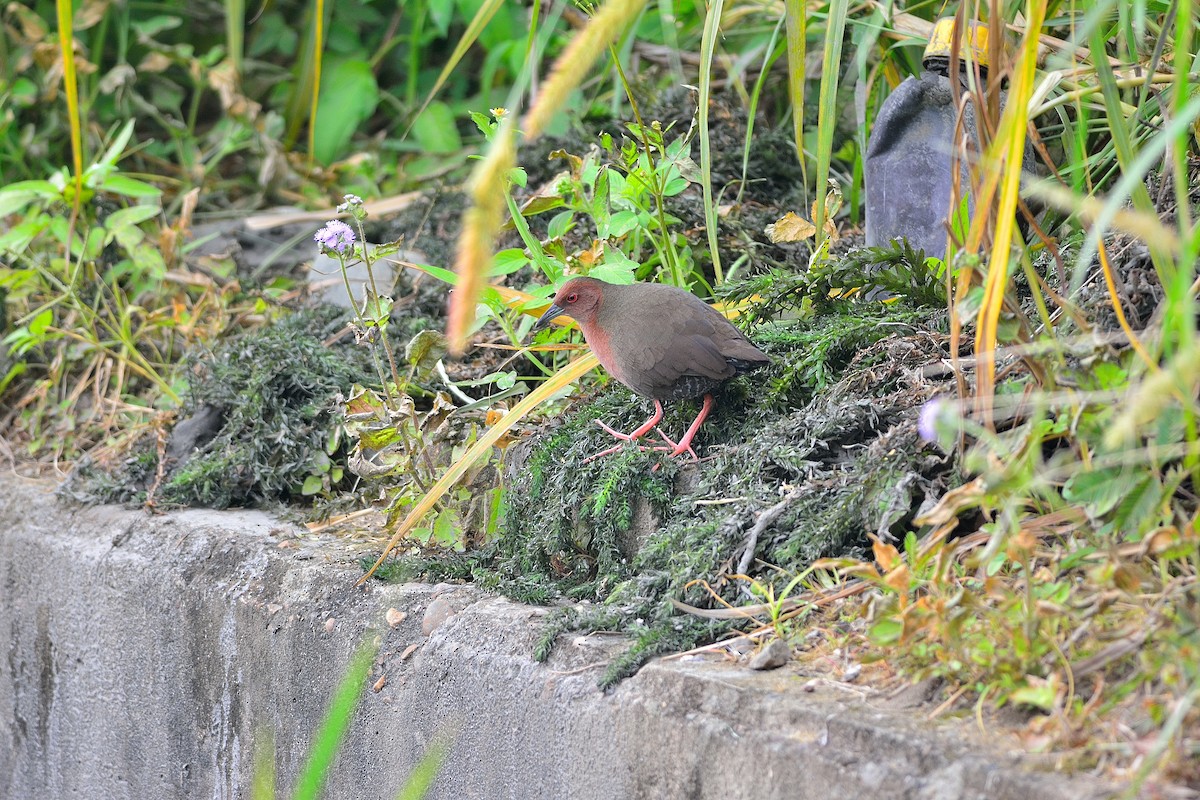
[
  {"x": 616, "y": 434},
  {"x": 673, "y": 448},
  {"x": 603, "y": 453}
]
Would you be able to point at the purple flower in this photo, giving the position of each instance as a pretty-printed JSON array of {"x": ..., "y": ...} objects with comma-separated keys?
[
  {"x": 927, "y": 423},
  {"x": 336, "y": 236}
]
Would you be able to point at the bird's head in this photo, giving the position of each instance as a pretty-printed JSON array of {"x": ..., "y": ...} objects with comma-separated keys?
[{"x": 579, "y": 298}]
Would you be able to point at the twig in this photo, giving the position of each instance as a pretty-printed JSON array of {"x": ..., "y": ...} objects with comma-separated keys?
[{"x": 764, "y": 521}]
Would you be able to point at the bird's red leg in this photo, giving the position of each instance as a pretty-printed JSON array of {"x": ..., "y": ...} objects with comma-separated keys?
[
  {"x": 685, "y": 444},
  {"x": 645, "y": 427},
  {"x": 642, "y": 430}
]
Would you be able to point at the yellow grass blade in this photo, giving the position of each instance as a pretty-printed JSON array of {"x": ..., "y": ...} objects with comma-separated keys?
[
  {"x": 318, "y": 51},
  {"x": 66, "y": 47},
  {"x": 565, "y": 376},
  {"x": 1005, "y": 156}
]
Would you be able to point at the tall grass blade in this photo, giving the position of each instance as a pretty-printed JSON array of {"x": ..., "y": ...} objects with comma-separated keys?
[
  {"x": 573, "y": 65},
  {"x": 318, "y": 51},
  {"x": 480, "y": 21},
  {"x": 1005, "y": 155},
  {"x": 235, "y": 33},
  {"x": 66, "y": 46},
  {"x": 1126, "y": 149},
  {"x": 1133, "y": 176},
  {"x": 770, "y": 53},
  {"x": 333, "y": 728},
  {"x": 708, "y": 44},
  {"x": 795, "y": 13},
  {"x": 424, "y": 773},
  {"x": 835, "y": 29}
]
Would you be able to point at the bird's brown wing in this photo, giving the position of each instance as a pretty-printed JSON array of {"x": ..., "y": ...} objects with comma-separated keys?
[{"x": 685, "y": 364}]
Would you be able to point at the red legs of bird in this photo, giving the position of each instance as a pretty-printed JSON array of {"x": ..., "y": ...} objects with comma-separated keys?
[
  {"x": 684, "y": 445},
  {"x": 642, "y": 430},
  {"x": 645, "y": 428},
  {"x": 668, "y": 446}
]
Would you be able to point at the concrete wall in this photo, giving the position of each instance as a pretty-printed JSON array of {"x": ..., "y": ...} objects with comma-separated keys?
[{"x": 144, "y": 654}]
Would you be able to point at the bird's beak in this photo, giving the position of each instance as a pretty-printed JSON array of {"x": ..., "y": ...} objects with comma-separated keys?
[{"x": 544, "y": 320}]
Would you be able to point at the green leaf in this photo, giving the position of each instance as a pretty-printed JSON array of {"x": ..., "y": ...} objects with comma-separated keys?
[
  {"x": 154, "y": 25},
  {"x": 886, "y": 630},
  {"x": 435, "y": 130},
  {"x": 441, "y": 12},
  {"x": 508, "y": 261},
  {"x": 1098, "y": 491},
  {"x": 482, "y": 121},
  {"x": 675, "y": 186},
  {"x": 349, "y": 95},
  {"x": 1110, "y": 376},
  {"x": 128, "y": 236},
  {"x": 23, "y": 92},
  {"x": 441, "y": 273},
  {"x": 128, "y": 187},
  {"x": 445, "y": 528},
  {"x": 561, "y": 224},
  {"x": 616, "y": 267},
  {"x": 17, "y": 239},
  {"x": 1041, "y": 695},
  {"x": 15, "y": 371},
  {"x": 376, "y": 309},
  {"x": 16, "y": 196},
  {"x": 41, "y": 323},
  {"x": 620, "y": 224},
  {"x": 128, "y": 217},
  {"x": 312, "y": 485},
  {"x": 540, "y": 204},
  {"x": 1139, "y": 508},
  {"x": 113, "y": 154}
]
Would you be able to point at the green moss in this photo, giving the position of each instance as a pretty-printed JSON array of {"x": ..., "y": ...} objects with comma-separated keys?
[
  {"x": 830, "y": 425},
  {"x": 274, "y": 391}
]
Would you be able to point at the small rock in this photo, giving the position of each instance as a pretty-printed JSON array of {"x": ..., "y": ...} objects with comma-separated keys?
[
  {"x": 852, "y": 672},
  {"x": 273, "y": 609},
  {"x": 379, "y": 684},
  {"x": 394, "y": 617},
  {"x": 438, "y": 612},
  {"x": 408, "y": 651},
  {"x": 773, "y": 656},
  {"x": 810, "y": 686},
  {"x": 330, "y": 624}
]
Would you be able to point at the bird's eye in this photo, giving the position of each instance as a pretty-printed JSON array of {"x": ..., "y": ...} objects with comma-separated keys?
[{"x": 572, "y": 297}]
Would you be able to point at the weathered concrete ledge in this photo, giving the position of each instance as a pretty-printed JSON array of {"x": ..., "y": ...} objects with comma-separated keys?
[{"x": 145, "y": 654}]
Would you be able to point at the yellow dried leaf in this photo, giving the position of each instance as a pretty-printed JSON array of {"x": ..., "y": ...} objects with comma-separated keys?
[
  {"x": 887, "y": 556},
  {"x": 791, "y": 227},
  {"x": 954, "y": 501},
  {"x": 898, "y": 578}
]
